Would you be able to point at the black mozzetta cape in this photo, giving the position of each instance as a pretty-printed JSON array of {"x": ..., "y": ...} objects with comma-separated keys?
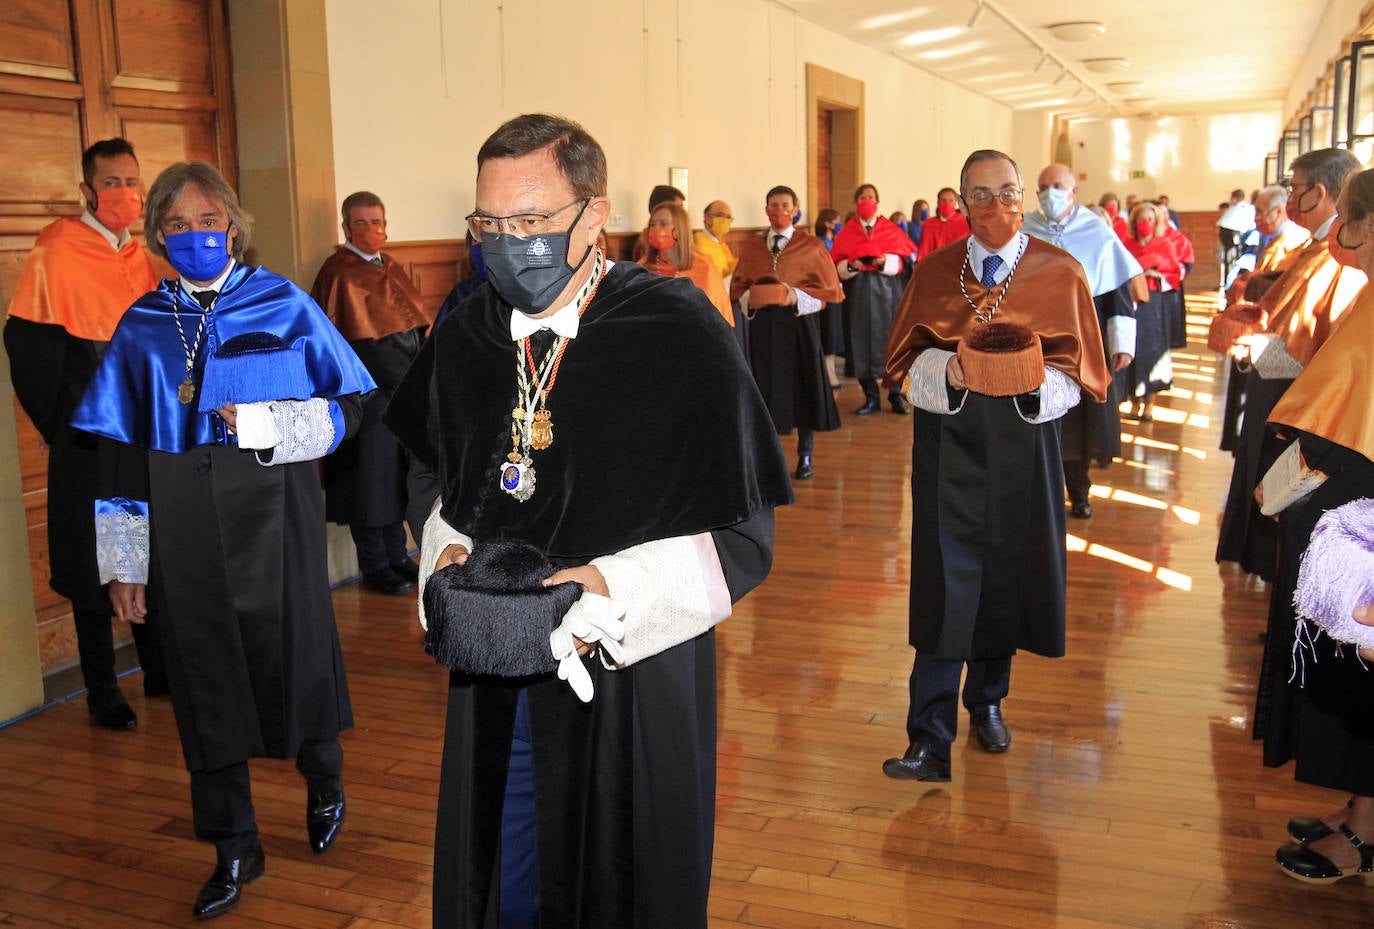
[{"x": 657, "y": 429}]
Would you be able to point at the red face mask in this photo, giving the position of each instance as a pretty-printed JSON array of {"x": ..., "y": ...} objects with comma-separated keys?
[
  {"x": 1112, "y": 209},
  {"x": 118, "y": 207},
  {"x": 1144, "y": 229},
  {"x": 995, "y": 223},
  {"x": 368, "y": 239},
  {"x": 867, "y": 209},
  {"x": 662, "y": 238},
  {"x": 946, "y": 209},
  {"x": 1344, "y": 254}
]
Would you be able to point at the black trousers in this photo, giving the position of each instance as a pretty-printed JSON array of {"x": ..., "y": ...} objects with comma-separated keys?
[
  {"x": 95, "y": 650},
  {"x": 1077, "y": 480},
  {"x": 222, "y": 800},
  {"x": 379, "y": 546},
  {"x": 933, "y": 716}
]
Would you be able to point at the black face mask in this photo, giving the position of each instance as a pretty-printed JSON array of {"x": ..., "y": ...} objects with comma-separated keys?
[{"x": 530, "y": 273}]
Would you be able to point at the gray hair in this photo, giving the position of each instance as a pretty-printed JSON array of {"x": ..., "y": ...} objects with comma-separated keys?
[
  {"x": 1274, "y": 195},
  {"x": 1329, "y": 167},
  {"x": 206, "y": 178}
]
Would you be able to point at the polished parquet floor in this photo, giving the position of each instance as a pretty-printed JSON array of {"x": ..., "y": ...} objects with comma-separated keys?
[{"x": 1132, "y": 796}]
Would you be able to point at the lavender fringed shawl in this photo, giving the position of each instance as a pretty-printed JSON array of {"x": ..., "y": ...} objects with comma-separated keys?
[{"x": 1337, "y": 573}]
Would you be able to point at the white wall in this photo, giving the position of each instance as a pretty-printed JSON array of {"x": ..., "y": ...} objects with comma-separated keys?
[
  {"x": 1196, "y": 160},
  {"x": 716, "y": 86}
]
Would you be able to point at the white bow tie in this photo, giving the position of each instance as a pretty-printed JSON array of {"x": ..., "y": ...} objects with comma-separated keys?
[{"x": 523, "y": 325}]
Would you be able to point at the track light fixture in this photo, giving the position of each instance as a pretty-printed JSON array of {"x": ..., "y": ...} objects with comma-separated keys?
[{"x": 977, "y": 15}]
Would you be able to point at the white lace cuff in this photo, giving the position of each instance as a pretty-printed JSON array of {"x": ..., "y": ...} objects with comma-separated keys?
[
  {"x": 844, "y": 271},
  {"x": 121, "y": 540},
  {"x": 892, "y": 265},
  {"x": 309, "y": 429},
  {"x": 929, "y": 387},
  {"x": 1058, "y": 394},
  {"x": 1121, "y": 335},
  {"x": 673, "y": 591},
  {"x": 434, "y": 538},
  {"x": 1272, "y": 361},
  {"x": 807, "y": 304}
]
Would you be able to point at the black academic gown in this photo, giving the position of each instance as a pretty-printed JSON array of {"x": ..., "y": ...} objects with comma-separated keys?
[
  {"x": 789, "y": 367},
  {"x": 658, "y": 432},
  {"x": 1151, "y": 345},
  {"x": 1247, "y": 536},
  {"x": 365, "y": 478},
  {"x": 987, "y": 539},
  {"x": 1321, "y": 717},
  {"x": 871, "y": 300},
  {"x": 1091, "y": 431},
  {"x": 50, "y": 369}
]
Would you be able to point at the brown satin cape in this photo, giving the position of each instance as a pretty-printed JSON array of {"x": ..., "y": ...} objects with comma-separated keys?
[
  {"x": 1309, "y": 297},
  {"x": 74, "y": 279},
  {"x": 1334, "y": 396},
  {"x": 803, "y": 263},
  {"x": 1289, "y": 241},
  {"x": 368, "y": 302},
  {"x": 1049, "y": 294}
]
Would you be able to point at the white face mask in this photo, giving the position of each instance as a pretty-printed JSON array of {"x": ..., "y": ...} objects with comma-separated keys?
[{"x": 1054, "y": 202}]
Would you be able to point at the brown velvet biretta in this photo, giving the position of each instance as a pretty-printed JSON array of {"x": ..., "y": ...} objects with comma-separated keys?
[{"x": 1001, "y": 359}]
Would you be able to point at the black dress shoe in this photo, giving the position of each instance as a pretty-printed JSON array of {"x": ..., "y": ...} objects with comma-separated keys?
[
  {"x": 109, "y": 708},
  {"x": 324, "y": 816},
  {"x": 871, "y": 405},
  {"x": 918, "y": 764},
  {"x": 898, "y": 404},
  {"x": 1082, "y": 510},
  {"x": 991, "y": 731},
  {"x": 1307, "y": 829},
  {"x": 804, "y": 470},
  {"x": 1301, "y": 862},
  {"x": 387, "y": 581},
  {"x": 221, "y": 892},
  {"x": 408, "y": 570}
]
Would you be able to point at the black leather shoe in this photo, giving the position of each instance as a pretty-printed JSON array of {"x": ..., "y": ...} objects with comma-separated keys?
[
  {"x": 804, "y": 470},
  {"x": 109, "y": 708},
  {"x": 387, "y": 581},
  {"x": 898, "y": 404},
  {"x": 991, "y": 731},
  {"x": 408, "y": 570},
  {"x": 871, "y": 405},
  {"x": 1082, "y": 510},
  {"x": 918, "y": 764},
  {"x": 324, "y": 816},
  {"x": 1301, "y": 862},
  {"x": 221, "y": 892},
  {"x": 1306, "y": 829}
]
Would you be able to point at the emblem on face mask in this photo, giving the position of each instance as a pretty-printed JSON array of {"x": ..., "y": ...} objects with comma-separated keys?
[
  {"x": 538, "y": 248},
  {"x": 211, "y": 243}
]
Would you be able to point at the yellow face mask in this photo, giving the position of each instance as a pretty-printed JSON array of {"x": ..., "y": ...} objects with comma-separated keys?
[{"x": 720, "y": 226}]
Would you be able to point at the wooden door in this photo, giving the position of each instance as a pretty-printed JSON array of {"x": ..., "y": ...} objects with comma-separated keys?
[{"x": 73, "y": 72}]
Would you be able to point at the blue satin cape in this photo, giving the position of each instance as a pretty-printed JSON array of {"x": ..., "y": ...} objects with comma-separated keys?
[{"x": 133, "y": 396}]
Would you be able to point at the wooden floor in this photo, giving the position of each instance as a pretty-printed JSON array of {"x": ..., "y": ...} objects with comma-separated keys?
[{"x": 1132, "y": 796}]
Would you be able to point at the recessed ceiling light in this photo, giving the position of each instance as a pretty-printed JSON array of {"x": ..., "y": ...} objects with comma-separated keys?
[
  {"x": 1127, "y": 88},
  {"x": 1077, "y": 31},
  {"x": 1106, "y": 65}
]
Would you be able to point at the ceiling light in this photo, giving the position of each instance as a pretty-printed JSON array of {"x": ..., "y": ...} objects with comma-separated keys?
[
  {"x": 977, "y": 15},
  {"x": 1106, "y": 65},
  {"x": 1077, "y": 32},
  {"x": 1127, "y": 88}
]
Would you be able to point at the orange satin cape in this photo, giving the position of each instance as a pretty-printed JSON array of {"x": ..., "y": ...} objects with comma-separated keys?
[
  {"x": 803, "y": 263},
  {"x": 1049, "y": 295},
  {"x": 705, "y": 275},
  {"x": 1308, "y": 298},
  {"x": 74, "y": 279},
  {"x": 1334, "y": 396},
  {"x": 366, "y": 301},
  {"x": 1291, "y": 238}
]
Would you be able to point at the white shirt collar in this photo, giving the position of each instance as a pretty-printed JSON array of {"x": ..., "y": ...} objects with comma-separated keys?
[
  {"x": 709, "y": 234},
  {"x": 216, "y": 285},
  {"x": 1323, "y": 229},
  {"x": 564, "y": 321},
  {"x": 1008, "y": 253},
  {"x": 360, "y": 253},
  {"x": 784, "y": 234},
  {"x": 116, "y": 241}
]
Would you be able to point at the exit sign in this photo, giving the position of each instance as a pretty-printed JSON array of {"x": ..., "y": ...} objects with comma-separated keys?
[{"x": 1137, "y": 175}]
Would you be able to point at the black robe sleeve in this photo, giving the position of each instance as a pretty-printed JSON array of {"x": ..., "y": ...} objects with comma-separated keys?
[
  {"x": 746, "y": 552},
  {"x": 37, "y": 354}
]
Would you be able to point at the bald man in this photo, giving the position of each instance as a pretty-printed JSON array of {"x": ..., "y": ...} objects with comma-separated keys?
[{"x": 1091, "y": 431}]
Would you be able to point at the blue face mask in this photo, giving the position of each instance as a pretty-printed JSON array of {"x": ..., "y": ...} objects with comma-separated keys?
[
  {"x": 925, "y": 215},
  {"x": 198, "y": 255},
  {"x": 479, "y": 266}
]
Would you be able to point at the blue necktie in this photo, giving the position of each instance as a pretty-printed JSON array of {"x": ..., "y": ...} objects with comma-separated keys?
[{"x": 990, "y": 266}]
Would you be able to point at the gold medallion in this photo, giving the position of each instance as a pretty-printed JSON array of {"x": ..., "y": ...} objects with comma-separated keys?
[
  {"x": 541, "y": 431},
  {"x": 187, "y": 391}
]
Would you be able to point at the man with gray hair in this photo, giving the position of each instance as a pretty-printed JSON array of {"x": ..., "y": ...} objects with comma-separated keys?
[
  {"x": 216, "y": 396},
  {"x": 1282, "y": 237}
]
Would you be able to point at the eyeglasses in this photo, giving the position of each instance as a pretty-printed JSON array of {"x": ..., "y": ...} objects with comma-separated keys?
[
  {"x": 520, "y": 225},
  {"x": 720, "y": 215},
  {"x": 1007, "y": 197},
  {"x": 1291, "y": 187}
]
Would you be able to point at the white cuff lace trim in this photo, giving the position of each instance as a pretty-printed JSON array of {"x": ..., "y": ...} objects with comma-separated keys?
[
  {"x": 672, "y": 591},
  {"x": 892, "y": 265},
  {"x": 929, "y": 388},
  {"x": 306, "y": 428},
  {"x": 121, "y": 540},
  {"x": 807, "y": 304},
  {"x": 1058, "y": 394},
  {"x": 1272, "y": 362},
  {"x": 434, "y": 538}
]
